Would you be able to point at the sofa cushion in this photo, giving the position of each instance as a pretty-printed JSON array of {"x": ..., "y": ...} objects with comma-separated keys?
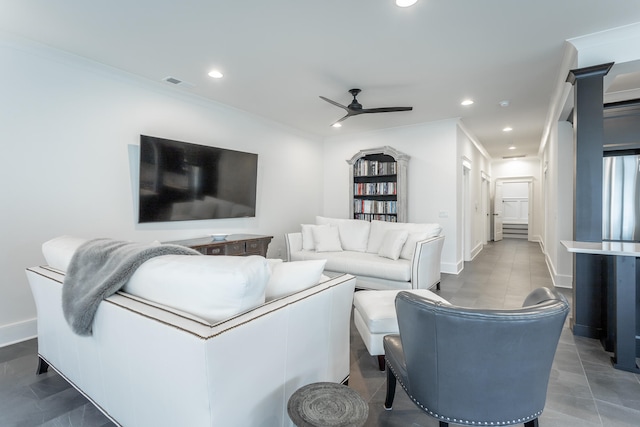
[
  {"x": 410, "y": 245},
  {"x": 308, "y": 241},
  {"x": 354, "y": 233},
  {"x": 327, "y": 239},
  {"x": 59, "y": 250},
  {"x": 392, "y": 243},
  {"x": 379, "y": 228},
  {"x": 360, "y": 264},
  {"x": 290, "y": 277},
  {"x": 210, "y": 287},
  {"x": 308, "y": 244}
]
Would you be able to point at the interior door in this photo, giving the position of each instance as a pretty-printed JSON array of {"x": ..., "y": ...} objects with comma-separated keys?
[{"x": 497, "y": 213}]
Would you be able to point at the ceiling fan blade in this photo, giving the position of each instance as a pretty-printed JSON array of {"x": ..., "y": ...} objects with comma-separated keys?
[
  {"x": 386, "y": 109},
  {"x": 334, "y": 103},
  {"x": 344, "y": 118}
]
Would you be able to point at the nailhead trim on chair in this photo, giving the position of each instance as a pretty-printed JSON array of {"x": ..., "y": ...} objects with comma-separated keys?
[{"x": 458, "y": 421}]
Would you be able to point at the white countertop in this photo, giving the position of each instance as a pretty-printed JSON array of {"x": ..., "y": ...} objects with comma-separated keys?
[{"x": 603, "y": 248}]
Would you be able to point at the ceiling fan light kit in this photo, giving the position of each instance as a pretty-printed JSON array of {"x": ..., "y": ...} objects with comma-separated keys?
[
  {"x": 405, "y": 3},
  {"x": 355, "y": 108}
]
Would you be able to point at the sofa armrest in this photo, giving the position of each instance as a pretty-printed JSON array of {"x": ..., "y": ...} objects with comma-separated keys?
[
  {"x": 425, "y": 265},
  {"x": 294, "y": 243}
]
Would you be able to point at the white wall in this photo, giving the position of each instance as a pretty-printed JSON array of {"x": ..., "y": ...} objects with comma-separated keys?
[
  {"x": 67, "y": 127},
  {"x": 558, "y": 182},
  {"x": 431, "y": 176},
  {"x": 471, "y": 243}
]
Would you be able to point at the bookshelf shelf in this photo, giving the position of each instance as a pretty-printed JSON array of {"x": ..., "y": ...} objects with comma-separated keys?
[{"x": 378, "y": 185}]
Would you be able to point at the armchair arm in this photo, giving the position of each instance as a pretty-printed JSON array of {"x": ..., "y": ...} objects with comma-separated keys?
[
  {"x": 425, "y": 265},
  {"x": 293, "y": 242}
]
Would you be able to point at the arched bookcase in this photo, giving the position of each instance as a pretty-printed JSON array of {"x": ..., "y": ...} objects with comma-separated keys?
[{"x": 378, "y": 184}]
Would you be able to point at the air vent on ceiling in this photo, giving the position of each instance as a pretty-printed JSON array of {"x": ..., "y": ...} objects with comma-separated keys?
[
  {"x": 177, "y": 82},
  {"x": 517, "y": 156}
]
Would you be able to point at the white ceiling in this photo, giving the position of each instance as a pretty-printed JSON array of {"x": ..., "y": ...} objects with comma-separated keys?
[{"x": 278, "y": 56}]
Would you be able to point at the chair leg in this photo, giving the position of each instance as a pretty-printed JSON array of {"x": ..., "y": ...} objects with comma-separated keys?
[
  {"x": 532, "y": 423},
  {"x": 42, "y": 366},
  {"x": 391, "y": 390},
  {"x": 381, "y": 362}
]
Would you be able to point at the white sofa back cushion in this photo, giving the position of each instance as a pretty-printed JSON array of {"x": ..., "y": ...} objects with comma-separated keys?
[
  {"x": 210, "y": 287},
  {"x": 327, "y": 239},
  {"x": 354, "y": 233},
  {"x": 379, "y": 228},
  {"x": 59, "y": 250},
  {"x": 290, "y": 277}
]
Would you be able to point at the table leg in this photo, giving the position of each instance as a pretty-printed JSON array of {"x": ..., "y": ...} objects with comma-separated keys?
[{"x": 625, "y": 314}]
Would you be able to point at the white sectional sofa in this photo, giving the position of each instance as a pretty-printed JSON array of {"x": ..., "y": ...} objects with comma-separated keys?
[
  {"x": 150, "y": 364},
  {"x": 382, "y": 255}
]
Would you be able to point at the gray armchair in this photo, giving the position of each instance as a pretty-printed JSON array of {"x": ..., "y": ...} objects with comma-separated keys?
[{"x": 473, "y": 366}]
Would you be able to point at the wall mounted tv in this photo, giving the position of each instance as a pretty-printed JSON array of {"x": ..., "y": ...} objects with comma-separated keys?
[{"x": 180, "y": 181}]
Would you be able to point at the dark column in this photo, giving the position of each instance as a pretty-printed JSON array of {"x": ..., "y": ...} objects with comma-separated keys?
[{"x": 589, "y": 296}]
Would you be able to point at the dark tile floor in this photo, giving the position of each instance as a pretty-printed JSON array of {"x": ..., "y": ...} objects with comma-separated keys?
[{"x": 584, "y": 389}]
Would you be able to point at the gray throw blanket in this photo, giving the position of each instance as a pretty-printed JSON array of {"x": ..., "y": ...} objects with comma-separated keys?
[{"x": 98, "y": 269}]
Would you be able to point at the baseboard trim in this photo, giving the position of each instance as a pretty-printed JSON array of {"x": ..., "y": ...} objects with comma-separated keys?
[
  {"x": 451, "y": 268},
  {"x": 559, "y": 280},
  {"x": 475, "y": 251},
  {"x": 18, "y": 332}
]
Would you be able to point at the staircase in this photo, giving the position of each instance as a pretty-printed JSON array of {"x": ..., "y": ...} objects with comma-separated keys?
[{"x": 515, "y": 231}]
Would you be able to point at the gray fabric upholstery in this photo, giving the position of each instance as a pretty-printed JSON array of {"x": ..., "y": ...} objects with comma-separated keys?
[{"x": 471, "y": 366}]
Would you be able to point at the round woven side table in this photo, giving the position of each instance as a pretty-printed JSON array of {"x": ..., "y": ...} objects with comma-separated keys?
[{"x": 327, "y": 405}]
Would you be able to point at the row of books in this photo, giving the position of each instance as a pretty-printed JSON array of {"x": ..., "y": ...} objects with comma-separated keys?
[
  {"x": 375, "y": 206},
  {"x": 374, "y": 188},
  {"x": 364, "y": 167},
  {"x": 378, "y": 217}
]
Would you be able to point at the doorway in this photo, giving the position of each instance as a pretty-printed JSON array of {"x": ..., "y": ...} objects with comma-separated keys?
[{"x": 512, "y": 212}]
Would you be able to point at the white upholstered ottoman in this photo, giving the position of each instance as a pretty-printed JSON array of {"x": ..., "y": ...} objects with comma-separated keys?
[{"x": 374, "y": 316}]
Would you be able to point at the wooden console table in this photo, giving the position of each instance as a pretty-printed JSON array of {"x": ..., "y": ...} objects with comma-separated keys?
[
  {"x": 624, "y": 291},
  {"x": 234, "y": 244}
]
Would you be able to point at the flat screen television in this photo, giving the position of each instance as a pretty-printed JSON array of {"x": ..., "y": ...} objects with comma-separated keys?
[{"x": 180, "y": 181}]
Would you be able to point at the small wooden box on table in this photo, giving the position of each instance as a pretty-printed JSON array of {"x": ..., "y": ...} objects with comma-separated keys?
[{"x": 234, "y": 244}]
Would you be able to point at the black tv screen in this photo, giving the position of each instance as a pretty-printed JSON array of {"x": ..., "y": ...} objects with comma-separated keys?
[{"x": 180, "y": 181}]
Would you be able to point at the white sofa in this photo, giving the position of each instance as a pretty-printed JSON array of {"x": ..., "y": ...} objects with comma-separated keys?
[
  {"x": 381, "y": 255},
  {"x": 149, "y": 364}
]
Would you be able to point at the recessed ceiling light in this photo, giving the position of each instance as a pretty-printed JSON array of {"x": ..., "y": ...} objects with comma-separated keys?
[
  {"x": 504, "y": 103},
  {"x": 405, "y": 3},
  {"x": 466, "y": 102},
  {"x": 513, "y": 147},
  {"x": 507, "y": 129},
  {"x": 337, "y": 125},
  {"x": 215, "y": 74}
]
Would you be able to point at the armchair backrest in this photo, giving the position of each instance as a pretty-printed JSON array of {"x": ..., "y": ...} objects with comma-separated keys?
[{"x": 481, "y": 365}]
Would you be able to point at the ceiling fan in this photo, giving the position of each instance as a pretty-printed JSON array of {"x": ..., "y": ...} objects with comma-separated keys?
[{"x": 355, "y": 108}]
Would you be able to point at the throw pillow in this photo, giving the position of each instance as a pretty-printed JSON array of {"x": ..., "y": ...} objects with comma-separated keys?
[
  {"x": 392, "y": 244},
  {"x": 327, "y": 239},
  {"x": 308, "y": 243},
  {"x": 290, "y": 277},
  {"x": 59, "y": 250},
  {"x": 410, "y": 245},
  {"x": 354, "y": 233},
  {"x": 378, "y": 232}
]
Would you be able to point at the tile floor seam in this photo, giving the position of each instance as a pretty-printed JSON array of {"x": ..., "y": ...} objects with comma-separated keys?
[{"x": 584, "y": 372}]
